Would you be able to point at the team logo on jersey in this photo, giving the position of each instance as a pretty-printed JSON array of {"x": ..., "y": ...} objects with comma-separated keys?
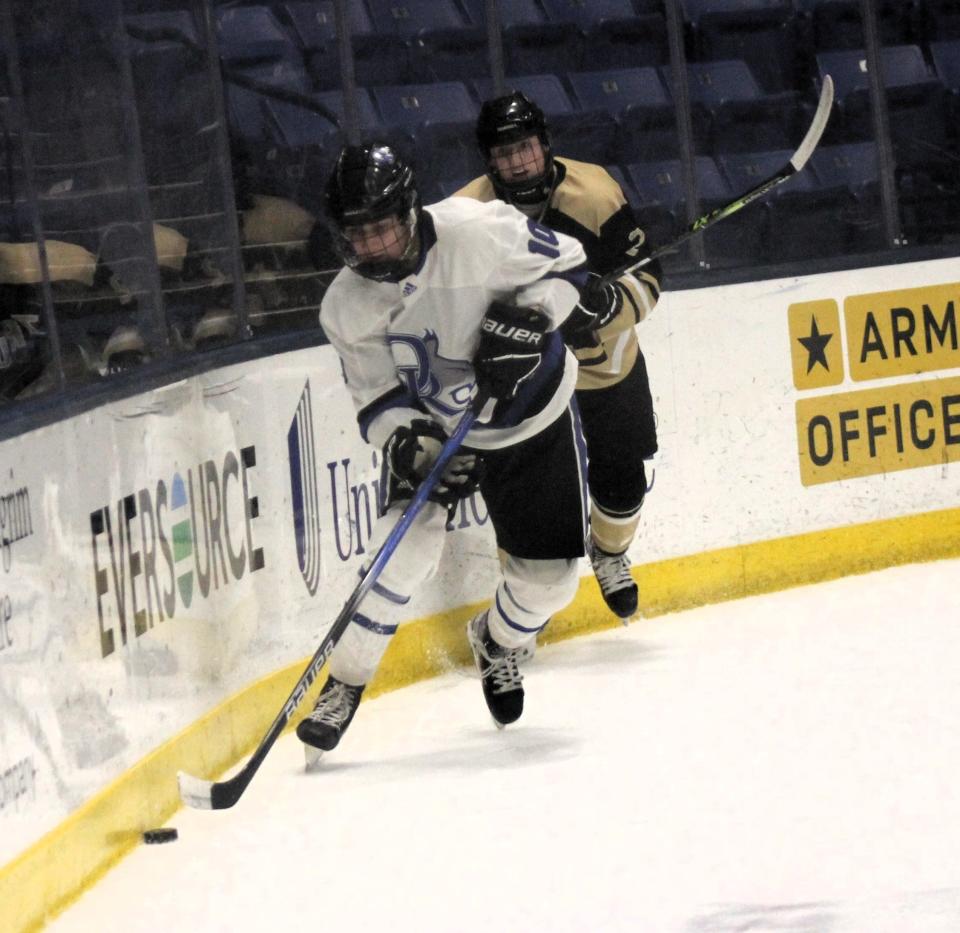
[
  {"x": 409, "y": 289},
  {"x": 445, "y": 384},
  {"x": 303, "y": 486}
]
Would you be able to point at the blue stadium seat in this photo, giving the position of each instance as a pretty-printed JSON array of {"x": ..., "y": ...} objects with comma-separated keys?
[
  {"x": 761, "y": 32},
  {"x": 443, "y": 44},
  {"x": 587, "y": 14},
  {"x": 639, "y": 101},
  {"x": 546, "y": 91},
  {"x": 313, "y": 24},
  {"x": 532, "y": 44},
  {"x": 586, "y": 137},
  {"x": 626, "y": 43},
  {"x": 837, "y": 24},
  {"x": 449, "y": 55},
  {"x": 743, "y": 118},
  {"x": 439, "y": 120},
  {"x": 541, "y": 48},
  {"x": 648, "y": 124},
  {"x": 802, "y": 221},
  {"x": 379, "y": 57},
  {"x": 295, "y": 126},
  {"x": 716, "y": 83},
  {"x": 903, "y": 66},
  {"x": 916, "y": 100},
  {"x": 851, "y": 174},
  {"x": 410, "y": 17},
  {"x": 616, "y": 89},
  {"x": 662, "y": 183},
  {"x": 659, "y": 185},
  {"x": 946, "y": 62},
  {"x": 939, "y": 19},
  {"x": 304, "y": 144},
  {"x": 510, "y": 12},
  {"x": 245, "y": 106},
  {"x": 140, "y": 25},
  {"x": 251, "y": 35},
  {"x": 408, "y": 106}
]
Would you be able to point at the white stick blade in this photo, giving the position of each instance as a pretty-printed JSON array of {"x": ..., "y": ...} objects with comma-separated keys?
[
  {"x": 817, "y": 126},
  {"x": 195, "y": 792}
]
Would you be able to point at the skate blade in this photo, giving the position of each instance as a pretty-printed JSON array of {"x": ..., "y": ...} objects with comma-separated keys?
[
  {"x": 500, "y": 725},
  {"x": 312, "y": 758}
]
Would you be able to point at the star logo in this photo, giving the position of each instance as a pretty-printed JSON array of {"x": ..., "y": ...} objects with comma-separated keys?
[
  {"x": 815, "y": 357},
  {"x": 816, "y": 346}
]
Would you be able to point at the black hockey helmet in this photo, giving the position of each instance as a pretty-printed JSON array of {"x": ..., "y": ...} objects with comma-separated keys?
[
  {"x": 372, "y": 181},
  {"x": 506, "y": 120}
]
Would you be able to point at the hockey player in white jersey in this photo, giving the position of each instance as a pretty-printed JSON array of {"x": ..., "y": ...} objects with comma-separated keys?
[{"x": 434, "y": 304}]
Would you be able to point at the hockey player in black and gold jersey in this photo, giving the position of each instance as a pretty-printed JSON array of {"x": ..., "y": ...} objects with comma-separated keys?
[{"x": 584, "y": 201}]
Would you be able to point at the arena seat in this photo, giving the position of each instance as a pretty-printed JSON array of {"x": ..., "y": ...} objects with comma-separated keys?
[
  {"x": 837, "y": 24},
  {"x": 915, "y": 98},
  {"x": 547, "y": 91},
  {"x": 761, "y": 32},
  {"x": 251, "y": 35},
  {"x": 802, "y": 221},
  {"x": 660, "y": 184}
]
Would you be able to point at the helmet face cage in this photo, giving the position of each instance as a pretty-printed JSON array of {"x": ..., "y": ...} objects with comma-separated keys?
[
  {"x": 510, "y": 119},
  {"x": 369, "y": 183}
]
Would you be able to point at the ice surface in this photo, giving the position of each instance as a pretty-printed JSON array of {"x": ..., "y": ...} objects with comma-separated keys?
[{"x": 787, "y": 762}]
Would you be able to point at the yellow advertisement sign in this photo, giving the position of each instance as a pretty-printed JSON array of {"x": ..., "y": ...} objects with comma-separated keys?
[
  {"x": 815, "y": 348},
  {"x": 872, "y": 431},
  {"x": 904, "y": 332}
]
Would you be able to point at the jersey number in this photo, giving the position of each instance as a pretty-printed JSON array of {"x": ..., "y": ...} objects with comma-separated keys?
[
  {"x": 636, "y": 237},
  {"x": 544, "y": 240}
]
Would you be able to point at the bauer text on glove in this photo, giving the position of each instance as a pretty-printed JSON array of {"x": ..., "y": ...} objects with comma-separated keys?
[{"x": 511, "y": 346}]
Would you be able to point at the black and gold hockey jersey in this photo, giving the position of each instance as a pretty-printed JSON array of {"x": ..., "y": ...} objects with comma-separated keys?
[{"x": 587, "y": 203}]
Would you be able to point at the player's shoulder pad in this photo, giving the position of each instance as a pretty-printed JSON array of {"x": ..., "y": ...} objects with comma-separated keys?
[
  {"x": 351, "y": 303},
  {"x": 480, "y": 189},
  {"x": 588, "y": 194},
  {"x": 454, "y": 212}
]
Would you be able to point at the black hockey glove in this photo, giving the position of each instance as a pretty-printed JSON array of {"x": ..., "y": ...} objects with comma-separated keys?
[
  {"x": 410, "y": 452},
  {"x": 511, "y": 348},
  {"x": 597, "y": 307}
]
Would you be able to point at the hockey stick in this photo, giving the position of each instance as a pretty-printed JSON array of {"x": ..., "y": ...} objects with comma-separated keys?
[
  {"x": 797, "y": 161},
  {"x": 219, "y": 795}
]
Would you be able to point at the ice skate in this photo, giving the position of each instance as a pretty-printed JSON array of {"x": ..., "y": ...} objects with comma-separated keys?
[
  {"x": 324, "y": 727},
  {"x": 499, "y": 672},
  {"x": 617, "y": 585}
]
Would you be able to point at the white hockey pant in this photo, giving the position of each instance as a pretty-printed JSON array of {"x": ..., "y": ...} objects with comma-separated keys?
[
  {"x": 529, "y": 592},
  {"x": 416, "y": 558}
]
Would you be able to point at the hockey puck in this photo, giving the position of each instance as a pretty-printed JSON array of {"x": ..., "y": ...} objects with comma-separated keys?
[{"x": 157, "y": 836}]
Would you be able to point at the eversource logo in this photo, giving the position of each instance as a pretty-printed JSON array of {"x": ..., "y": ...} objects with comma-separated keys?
[
  {"x": 175, "y": 541},
  {"x": 303, "y": 488},
  {"x": 890, "y": 339}
]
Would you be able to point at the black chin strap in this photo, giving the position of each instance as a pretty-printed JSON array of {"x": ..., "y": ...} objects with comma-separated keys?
[{"x": 533, "y": 200}]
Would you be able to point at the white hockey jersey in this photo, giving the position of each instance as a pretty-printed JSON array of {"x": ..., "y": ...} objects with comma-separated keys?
[{"x": 407, "y": 346}]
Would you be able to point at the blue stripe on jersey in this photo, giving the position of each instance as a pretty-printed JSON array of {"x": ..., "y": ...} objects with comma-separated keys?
[
  {"x": 576, "y": 277},
  {"x": 368, "y": 623}
]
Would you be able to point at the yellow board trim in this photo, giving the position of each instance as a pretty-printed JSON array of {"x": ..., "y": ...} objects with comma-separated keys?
[{"x": 45, "y": 878}]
